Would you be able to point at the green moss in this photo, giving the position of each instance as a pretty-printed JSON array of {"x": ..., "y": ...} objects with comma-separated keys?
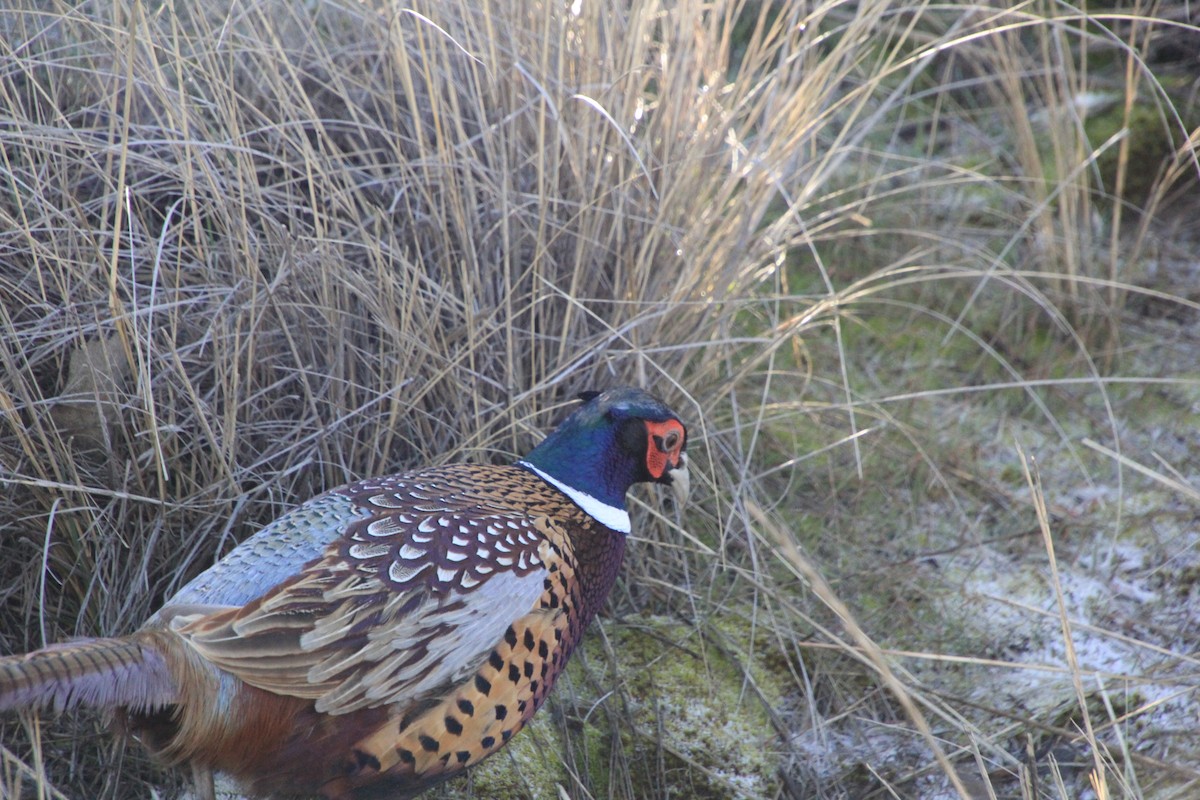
[
  {"x": 1151, "y": 144},
  {"x": 680, "y": 714}
]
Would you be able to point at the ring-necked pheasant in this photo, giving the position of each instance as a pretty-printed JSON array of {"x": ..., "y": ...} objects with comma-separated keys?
[{"x": 385, "y": 635}]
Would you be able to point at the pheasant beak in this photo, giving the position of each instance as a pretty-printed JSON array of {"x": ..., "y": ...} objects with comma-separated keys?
[{"x": 681, "y": 481}]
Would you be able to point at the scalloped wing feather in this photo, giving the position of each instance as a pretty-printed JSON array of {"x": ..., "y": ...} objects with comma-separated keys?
[{"x": 413, "y": 596}]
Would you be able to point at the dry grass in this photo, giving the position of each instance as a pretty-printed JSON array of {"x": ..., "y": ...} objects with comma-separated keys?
[{"x": 249, "y": 252}]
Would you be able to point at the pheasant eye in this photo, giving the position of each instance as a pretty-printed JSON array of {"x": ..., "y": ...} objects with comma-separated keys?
[{"x": 670, "y": 441}]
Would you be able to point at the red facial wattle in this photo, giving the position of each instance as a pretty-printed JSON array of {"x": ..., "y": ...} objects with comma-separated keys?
[{"x": 664, "y": 446}]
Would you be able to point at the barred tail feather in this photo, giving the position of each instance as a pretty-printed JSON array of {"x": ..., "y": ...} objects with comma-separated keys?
[{"x": 102, "y": 673}]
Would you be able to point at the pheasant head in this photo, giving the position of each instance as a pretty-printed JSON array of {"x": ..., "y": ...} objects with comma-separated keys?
[{"x": 614, "y": 440}]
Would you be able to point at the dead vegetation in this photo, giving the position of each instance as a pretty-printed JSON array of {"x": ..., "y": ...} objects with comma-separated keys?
[{"x": 252, "y": 251}]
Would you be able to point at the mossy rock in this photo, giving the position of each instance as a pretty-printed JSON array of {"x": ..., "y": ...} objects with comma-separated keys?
[{"x": 669, "y": 711}]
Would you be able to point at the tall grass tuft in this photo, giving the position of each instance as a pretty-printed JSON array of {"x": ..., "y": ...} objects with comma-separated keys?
[{"x": 251, "y": 251}]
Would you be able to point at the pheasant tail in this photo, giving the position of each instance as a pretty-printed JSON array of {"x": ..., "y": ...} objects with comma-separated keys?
[{"x": 102, "y": 673}]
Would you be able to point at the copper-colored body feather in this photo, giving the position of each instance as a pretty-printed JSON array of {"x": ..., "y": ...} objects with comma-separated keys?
[{"x": 370, "y": 643}]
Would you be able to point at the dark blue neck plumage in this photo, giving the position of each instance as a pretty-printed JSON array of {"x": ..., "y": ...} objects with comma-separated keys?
[{"x": 587, "y": 458}]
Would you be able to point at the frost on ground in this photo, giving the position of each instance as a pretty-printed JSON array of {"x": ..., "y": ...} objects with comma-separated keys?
[{"x": 1015, "y": 646}]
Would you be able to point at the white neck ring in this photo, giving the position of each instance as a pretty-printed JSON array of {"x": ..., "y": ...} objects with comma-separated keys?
[{"x": 609, "y": 516}]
